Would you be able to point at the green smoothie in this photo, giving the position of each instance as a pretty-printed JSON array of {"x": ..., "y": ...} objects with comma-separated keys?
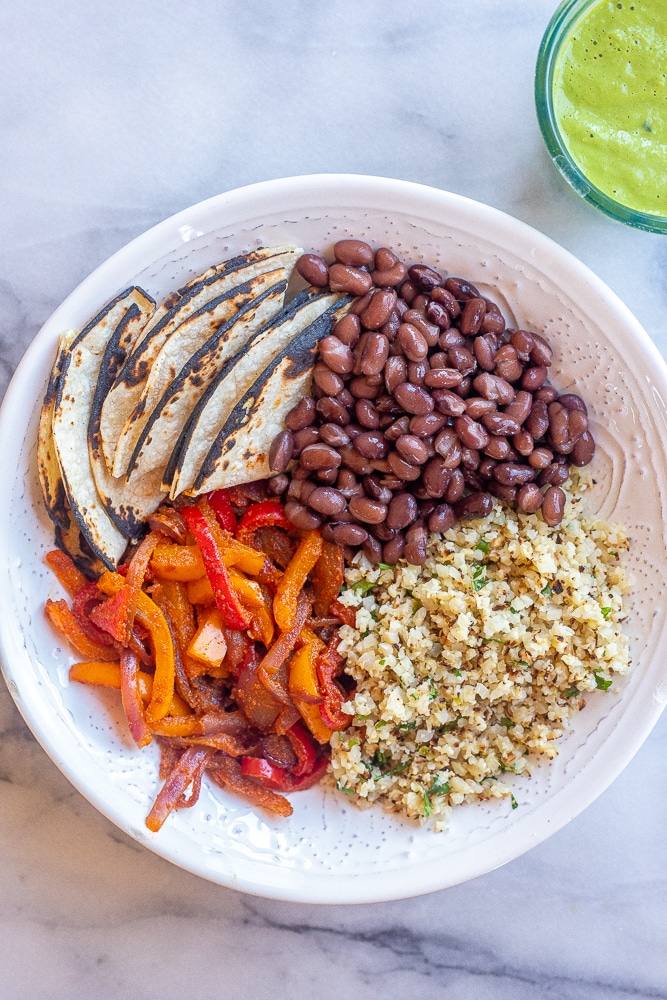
[{"x": 610, "y": 100}]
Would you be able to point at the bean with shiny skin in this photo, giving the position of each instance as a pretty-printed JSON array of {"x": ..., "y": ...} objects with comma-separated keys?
[
  {"x": 313, "y": 269},
  {"x": 529, "y": 498},
  {"x": 336, "y": 355},
  {"x": 281, "y": 451},
  {"x": 380, "y": 307},
  {"x": 345, "y": 278},
  {"x": 302, "y": 415},
  {"x": 368, "y": 511},
  {"x": 553, "y": 506},
  {"x": 356, "y": 253},
  {"x": 413, "y": 399}
]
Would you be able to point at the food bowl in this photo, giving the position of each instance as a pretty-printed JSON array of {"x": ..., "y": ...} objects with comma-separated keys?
[
  {"x": 329, "y": 851},
  {"x": 598, "y": 91}
]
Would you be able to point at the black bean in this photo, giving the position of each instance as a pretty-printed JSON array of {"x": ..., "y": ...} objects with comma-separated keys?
[
  {"x": 326, "y": 500},
  {"x": 473, "y": 505},
  {"x": 413, "y": 399},
  {"x": 320, "y": 456},
  {"x": 367, "y": 510},
  {"x": 281, "y": 451},
  {"x": 442, "y": 518},
  {"x": 553, "y": 506},
  {"x": 301, "y": 415},
  {"x": 333, "y": 435},
  {"x": 403, "y": 510},
  {"x": 300, "y": 517},
  {"x": 349, "y": 534},
  {"x": 336, "y": 354}
]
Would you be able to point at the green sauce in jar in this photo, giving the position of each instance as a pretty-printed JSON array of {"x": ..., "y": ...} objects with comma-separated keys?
[{"x": 610, "y": 100}]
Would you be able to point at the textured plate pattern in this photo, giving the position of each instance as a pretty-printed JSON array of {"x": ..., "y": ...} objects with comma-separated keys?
[{"x": 329, "y": 851}]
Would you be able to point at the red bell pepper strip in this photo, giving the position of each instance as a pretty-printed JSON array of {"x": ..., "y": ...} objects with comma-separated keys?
[
  {"x": 267, "y": 513},
  {"x": 113, "y": 615},
  {"x": 224, "y": 511},
  {"x": 329, "y": 664},
  {"x": 348, "y": 616},
  {"x": 229, "y": 606},
  {"x": 280, "y": 779},
  {"x": 302, "y": 745},
  {"x": 83, "y": 602}
]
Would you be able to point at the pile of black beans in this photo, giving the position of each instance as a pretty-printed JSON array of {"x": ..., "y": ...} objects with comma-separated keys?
[{"x": 424, "y": 408}]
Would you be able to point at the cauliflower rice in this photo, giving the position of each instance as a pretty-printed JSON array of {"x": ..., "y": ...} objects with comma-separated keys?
[{"x": 472, "y": 664}]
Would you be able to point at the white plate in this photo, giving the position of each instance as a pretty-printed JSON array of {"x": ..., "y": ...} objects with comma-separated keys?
[{"x": 329, "y": 851}]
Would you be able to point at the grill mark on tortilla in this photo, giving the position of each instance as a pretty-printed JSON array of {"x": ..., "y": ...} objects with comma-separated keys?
[
  {"x": 198, "y": 371},
  {"x": 117, "y": 427},
  {"x": 296, "y": 358},
  {"x": 71, "y": 416},
  {"x": 185, "y": 441}
]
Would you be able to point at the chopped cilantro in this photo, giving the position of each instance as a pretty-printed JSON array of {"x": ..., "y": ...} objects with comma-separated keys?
[
  {"x": 547, "y": 591},
  {"x": 432, "y": 690},
  {"x": 380, "y": 723},
  {"x": 379, "y": 758},
  {"x": 605, "y": 611},
  {"x": 362, "y": 586},
  {"x": 341, "y": 788},
  {"x": 600, "y": 681},
  {"x": 405, "y": 727},
  {"x": 384, "y": 566},
  {"x": 362, "y": 718},
  {"x": 515, "y": 804},
  {"x": 400, "y": 768},
  {"x": 572, "y": 692},
  {"x": 414, "y": 696},
  {"x": 478, "y": 578},
  {"x": 428, "y": 809},
  {"x": 439, "y": 787},
  {"x": 483, "y": 545},
  {"x": 457, "y": 673},
  {"x": 508, "y": 723},
  {"x": 447, "y": 727}
]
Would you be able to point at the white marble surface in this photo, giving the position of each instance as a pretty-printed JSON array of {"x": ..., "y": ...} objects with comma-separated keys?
[{"x": 113, "y": 116}]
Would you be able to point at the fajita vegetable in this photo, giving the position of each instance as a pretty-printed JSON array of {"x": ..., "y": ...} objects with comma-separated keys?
[{"x": 216, "y": 649}]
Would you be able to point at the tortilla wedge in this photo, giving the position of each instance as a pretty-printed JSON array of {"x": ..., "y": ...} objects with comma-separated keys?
[
  {"x": 231, "y": 380},
  {"x": 240, "y": 452},
  {"x": 118, "y": 437},
  {"x": 72, "y": 409},
  {"x": 189, "y": 360},
  {"x": 48, "y": 466}
]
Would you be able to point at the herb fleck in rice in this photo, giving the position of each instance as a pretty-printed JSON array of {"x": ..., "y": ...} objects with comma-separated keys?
[{"x": 468, "y": 666}]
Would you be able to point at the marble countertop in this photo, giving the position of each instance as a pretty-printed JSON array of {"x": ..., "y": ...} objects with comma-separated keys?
[{"x": 114, "y": 116}]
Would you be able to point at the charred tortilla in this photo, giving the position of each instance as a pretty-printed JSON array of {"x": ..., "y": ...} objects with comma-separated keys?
[
  {"x": 189, "y": 361},
  {"x": 72, "y": 409},
  {"x": 127, "y": 403},
  {"x": 231, "y": 380},
  {"x": 240, "y": 452}
]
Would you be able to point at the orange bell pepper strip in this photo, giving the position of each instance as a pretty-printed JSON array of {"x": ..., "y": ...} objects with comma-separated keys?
[
  {"x": 328, "y": 577},
  {"x": 61, "y": 617},
  {"x": 68, "y": 574},
  {"x": 177, "y": 562},
  {"x": 200, "y": 591},
  {"x": 303, "y": 682},
  {"x": 152, "y": 618},
  {"x": 294, "y": 578},
  {"x": 313, "y": 719},
  {"x": 254, "y": 599}
]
